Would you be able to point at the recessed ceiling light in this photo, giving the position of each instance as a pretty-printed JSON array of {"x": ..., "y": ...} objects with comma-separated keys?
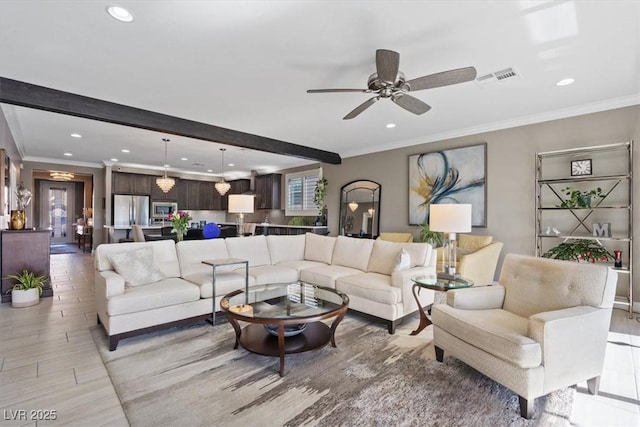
[
  {"x": 183, "y": 158},
  {"x": 68, "y": 154},
  {"x": 232, "y": 164},
  {"x": 124, "y": 150},
  {"x": 114, "y": 160},
  {"x": 120, "y": 13},
  {"x": 390, "y": 125},
  {"x": 565, "y": 82},
  {"x": 209, "y": 170},
  {"x": 167, "y": 166},
  {"x": 76, "y": 135}
]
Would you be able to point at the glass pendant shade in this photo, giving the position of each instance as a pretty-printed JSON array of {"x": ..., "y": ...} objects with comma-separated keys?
[
  {"x": 353, "y": 206},
  {"x": 222, "y": 186},
  {"x": 164, "y": 182}
]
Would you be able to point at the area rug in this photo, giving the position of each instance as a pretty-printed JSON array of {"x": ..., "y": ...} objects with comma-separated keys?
[
  {"x": 192, "y": 376},
  {"x": 66, "y": 248}
]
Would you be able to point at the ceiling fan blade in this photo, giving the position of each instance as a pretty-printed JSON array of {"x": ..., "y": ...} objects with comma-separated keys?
[
  {"x": 410, "y": 103},
  {"x": 387, "y": 63},
  {"x": 337, "y": 90},
  {"x": 360, "y": 108},
  {"x": 444, "y": 78}
]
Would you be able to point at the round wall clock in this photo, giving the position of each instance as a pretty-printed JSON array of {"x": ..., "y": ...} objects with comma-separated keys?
[{"x": 581, "y": 167}]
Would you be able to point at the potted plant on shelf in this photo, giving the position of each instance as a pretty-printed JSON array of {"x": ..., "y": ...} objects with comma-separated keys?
[
  {"x": 319, "y": 197},
  {"x": 581, "y": 251},
  {"x": 579, "y": 199},
  {"x": 27, "y": 289}
]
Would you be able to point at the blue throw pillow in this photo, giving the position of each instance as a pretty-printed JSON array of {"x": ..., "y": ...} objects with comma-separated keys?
[{"x": 211, "y": 231}]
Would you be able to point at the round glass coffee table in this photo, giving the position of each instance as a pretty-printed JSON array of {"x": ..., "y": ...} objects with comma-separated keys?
[
  {"x": 440, "y": 282},
  {"x": 284, "y": 318}
]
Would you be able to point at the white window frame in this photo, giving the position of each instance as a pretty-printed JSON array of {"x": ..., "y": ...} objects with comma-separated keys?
[{"x": 300, "y": 212}]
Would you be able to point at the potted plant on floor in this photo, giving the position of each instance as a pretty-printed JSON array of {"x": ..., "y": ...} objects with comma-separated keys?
[{"x": 27, "y": 289}]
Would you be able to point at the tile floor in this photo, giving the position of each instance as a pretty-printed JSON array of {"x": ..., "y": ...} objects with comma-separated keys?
[{"x": 49, "y": 362}]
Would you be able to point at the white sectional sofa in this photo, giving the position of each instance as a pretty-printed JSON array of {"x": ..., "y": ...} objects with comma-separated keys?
[{"x": 150, "y": 285}]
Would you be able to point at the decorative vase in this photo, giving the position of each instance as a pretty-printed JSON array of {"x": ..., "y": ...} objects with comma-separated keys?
[
  {"x": 18, "y": 219},
  {"x": 618, "y": 259},
  {"x": 24, "y": 298},
  {"x": 180, "y": 235}
]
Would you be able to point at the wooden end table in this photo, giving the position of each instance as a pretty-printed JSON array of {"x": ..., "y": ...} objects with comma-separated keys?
[{"x": 442, "y": 283}]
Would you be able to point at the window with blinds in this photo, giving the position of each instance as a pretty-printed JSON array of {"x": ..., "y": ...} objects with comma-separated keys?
[{"x": 300, "y": 193}]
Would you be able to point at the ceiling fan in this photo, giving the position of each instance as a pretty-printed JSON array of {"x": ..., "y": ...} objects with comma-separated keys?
[{"x": 389, "y": 82}]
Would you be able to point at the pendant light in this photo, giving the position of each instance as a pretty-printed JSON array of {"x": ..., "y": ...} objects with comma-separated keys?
[
  {"x": 353, "y": 206},
  {"x": 222, "y": 186},
  {"x": 165, "y": 183}
]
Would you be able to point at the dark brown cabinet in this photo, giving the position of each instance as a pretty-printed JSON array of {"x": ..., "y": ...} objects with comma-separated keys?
[
  {"x": 24, "y": 249},
  {"x": 210, "y": 199},
  {"x": 131, "y": 183},
  {"x": 268, "y": 191}
]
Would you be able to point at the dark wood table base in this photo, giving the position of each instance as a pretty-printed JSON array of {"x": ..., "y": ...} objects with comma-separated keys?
[{"x": 424, "y": 320}]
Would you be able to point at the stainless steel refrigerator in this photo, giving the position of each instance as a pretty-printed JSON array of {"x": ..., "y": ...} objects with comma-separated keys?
[{"x": 130, "y": 210}]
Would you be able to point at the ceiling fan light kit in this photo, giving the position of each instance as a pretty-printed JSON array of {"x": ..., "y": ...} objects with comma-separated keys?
[
  {"x": 389, "y": 82},
  {"x": 165, "y": 183}
]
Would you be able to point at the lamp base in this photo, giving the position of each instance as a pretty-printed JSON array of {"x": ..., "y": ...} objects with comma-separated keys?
[
  {"x": 450, "y": 262},
  {"x": 240, "y": 225}
]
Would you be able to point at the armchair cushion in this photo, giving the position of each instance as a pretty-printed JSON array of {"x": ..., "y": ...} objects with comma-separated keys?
[
  {"x": 473, "y": 242},
  {"x": 497, "y": 332},
  {"x": 477, "y": 298}
]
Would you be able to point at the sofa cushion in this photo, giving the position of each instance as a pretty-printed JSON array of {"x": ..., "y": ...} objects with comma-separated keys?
[
  {"x": 498, "y": 332},
  {"x": 136, "y": 267},
  {"x": 167, "y": 292},
  {"x": 383, "y": 256},
  {"x": 286, "y": 248},
  {"x": 301, "y": 265},
  {"x": 473, "y": 242},
  {"x": 164, "y": 255},
  {"x": 402, "y": 261},
  {"x": 266, "y": 274},
  {"x": 191, "y": 253},
  {"x": 326, "y": 275},
  {"x": 253, "y": 248},
  {"x": 352, "y": 252},
  {"x": 318, "y": 248},
  {"x": 371, "y": 286},
  {"x": 226, "y": 282}
]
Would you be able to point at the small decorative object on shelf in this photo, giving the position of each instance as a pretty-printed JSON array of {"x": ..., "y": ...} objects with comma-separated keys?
[
  {"x": 579, "y": 199},
  {"x": 180, "y": 221},
  {"x": 581, "y": 167},
  {"x": 19, "y": 216},
  {"x": 618, "y": 259}
]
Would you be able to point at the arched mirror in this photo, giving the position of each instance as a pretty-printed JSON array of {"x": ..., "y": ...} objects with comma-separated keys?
[{"x": 360, "y": 209}]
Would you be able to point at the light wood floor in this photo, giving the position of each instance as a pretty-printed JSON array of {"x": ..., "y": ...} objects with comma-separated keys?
[{"x": 49, "y": 362}]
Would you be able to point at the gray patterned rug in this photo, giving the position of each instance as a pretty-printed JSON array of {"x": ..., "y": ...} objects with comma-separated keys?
[{"x": 192, "y": 376}]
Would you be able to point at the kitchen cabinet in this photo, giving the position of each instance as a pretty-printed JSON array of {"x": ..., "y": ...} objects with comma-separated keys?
[
  {"x": 209, "y": 198},
  {"x": 131, "y": 183},
  {"x": 268, "y": 191},
  {"x": 605, "y": 221}
]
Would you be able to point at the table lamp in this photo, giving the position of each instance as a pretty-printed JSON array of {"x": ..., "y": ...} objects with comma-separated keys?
[
  {"x": 450, "y": 219},
  {"x": 240, "y": 204}
]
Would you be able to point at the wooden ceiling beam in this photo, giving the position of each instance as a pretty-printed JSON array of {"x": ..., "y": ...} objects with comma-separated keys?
[{"x": 24, "y": 94}]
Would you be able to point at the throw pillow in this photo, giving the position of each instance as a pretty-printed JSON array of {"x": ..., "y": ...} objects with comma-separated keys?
[
  {"x": 403, "y": 261},
  {"x": 136, "y": 267}
]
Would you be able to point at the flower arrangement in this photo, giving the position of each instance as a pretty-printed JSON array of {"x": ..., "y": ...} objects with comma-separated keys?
[
  {"x": 180, "y": 221},
  {"x": 23, "y": 197}
]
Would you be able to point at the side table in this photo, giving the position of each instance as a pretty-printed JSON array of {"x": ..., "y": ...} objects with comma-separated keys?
[
  {"x": 441, "y": 282},
  {"x": 219, "y": 263}
]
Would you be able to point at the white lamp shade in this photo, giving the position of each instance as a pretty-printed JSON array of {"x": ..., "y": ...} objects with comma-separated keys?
[
  {"x": 450, "y": 218},
  {"x": 240, "y": 203}
]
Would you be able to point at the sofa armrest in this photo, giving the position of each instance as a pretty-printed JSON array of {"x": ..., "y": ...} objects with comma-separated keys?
[
  {"x": 476, "y": 298},
  {"x": 480, "y": 266},
  {"x": 402, "y": 279},
  {"x": 108, "y": 283},
  {"x": 573, "y": 342}
]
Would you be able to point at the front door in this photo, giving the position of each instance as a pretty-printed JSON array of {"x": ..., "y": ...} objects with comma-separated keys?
[{"x": 56, "y": 209}]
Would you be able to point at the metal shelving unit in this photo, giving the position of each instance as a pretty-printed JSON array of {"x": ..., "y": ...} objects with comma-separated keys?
[{"x": 577, "y": 218}]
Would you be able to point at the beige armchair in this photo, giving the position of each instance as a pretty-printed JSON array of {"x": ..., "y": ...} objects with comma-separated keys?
[
  {"x": 477, "y": 258},
  {"x": 544, "y": 327},
  {"x": 396, "y": 237}
]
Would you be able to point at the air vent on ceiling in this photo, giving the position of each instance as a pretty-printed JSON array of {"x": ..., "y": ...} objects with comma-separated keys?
[{"x": 490, "y": 79}]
